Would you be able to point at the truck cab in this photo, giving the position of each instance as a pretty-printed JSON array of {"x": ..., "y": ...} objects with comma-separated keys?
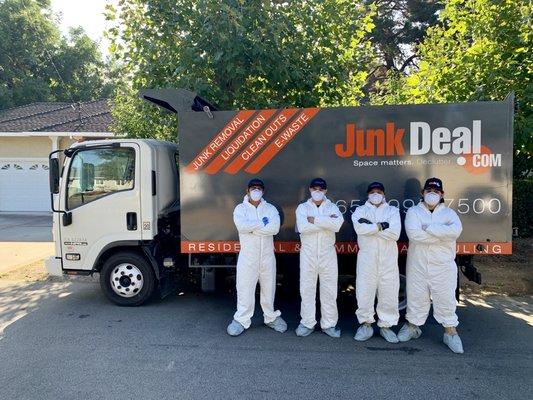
[{"x": 116, "y": 207}]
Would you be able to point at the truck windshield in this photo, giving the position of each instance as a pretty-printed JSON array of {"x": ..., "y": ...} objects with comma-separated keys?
[{"x": 99, "y": 172}]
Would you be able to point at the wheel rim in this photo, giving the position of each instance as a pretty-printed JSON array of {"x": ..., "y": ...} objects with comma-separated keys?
[
  {"x": 126, "y": 280},
  {"x": 402, "y": 297}
]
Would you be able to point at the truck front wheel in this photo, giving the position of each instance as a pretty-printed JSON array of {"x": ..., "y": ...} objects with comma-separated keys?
[{"x": 127, "y": 279}]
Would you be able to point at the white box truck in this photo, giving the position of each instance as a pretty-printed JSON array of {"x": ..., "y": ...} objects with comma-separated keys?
[{"x": 144, "y": 213}]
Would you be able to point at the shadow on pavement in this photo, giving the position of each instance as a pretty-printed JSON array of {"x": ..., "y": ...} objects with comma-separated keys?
[{"x": 72, "y": 343}]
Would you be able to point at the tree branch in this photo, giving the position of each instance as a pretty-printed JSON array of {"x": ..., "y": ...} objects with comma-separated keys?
[{"x": 407, "y": 62}]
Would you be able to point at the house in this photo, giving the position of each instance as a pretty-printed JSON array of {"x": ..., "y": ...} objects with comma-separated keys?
[{"x": 27, "y": 136}]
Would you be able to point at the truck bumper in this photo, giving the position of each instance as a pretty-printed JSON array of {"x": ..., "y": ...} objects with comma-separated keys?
[{"x": 53, "y": 266}]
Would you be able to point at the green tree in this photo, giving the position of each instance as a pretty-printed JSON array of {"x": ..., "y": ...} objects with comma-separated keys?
[
  {"x": 30, "y": 47},
  {"x": 481, "y": 50},
  {"x": 238, "y": 54},
  {"x": 400, "y": 27},
  {"x": 79, "y": 61}
]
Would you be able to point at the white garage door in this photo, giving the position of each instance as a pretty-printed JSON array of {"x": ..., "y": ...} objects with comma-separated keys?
[{"x": 24, "y": 185}]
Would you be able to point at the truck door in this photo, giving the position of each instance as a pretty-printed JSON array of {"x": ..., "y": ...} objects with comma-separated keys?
[{"x": 102, "y": 192}]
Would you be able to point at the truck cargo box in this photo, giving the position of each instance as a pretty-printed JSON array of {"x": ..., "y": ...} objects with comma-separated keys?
[{"x": 468, "y": 145}]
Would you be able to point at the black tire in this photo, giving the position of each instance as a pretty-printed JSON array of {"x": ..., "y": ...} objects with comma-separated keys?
[{"x": 137, "y": 261}]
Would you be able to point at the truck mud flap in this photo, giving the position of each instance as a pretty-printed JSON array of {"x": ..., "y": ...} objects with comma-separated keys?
[{"x": 466, "y": 266}]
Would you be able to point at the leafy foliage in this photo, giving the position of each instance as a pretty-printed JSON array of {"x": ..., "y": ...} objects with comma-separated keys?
[
  {"x": 481, "y": 50},
  {"x": 239, "y": 54},
  {"x": 31, "y": 44},
  {"x": 522, "y": 216}
]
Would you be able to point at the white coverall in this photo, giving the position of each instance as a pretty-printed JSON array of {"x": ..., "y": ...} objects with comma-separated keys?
[
  {"x": 256, "y": 261},
  {"x": 377, "y": 264},
  {"x": 318, "y": 260},
  {"x": 431, "y": 269}
]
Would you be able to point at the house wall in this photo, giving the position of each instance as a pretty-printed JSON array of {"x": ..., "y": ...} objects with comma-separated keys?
[
  {"x": 30, "y": 147},
  {"x": 65, "y": 142},
  {"x": 25, "y": 147}
]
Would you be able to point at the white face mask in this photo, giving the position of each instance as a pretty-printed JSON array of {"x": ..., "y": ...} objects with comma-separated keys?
[
  {"x": 256, "y": 194},
  {"x": 375, "y": 198},
  {"x": 432, "y": 198},
  {"x": 317, "y": 195}
]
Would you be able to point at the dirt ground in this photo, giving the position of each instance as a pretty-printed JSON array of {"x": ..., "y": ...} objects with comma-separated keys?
[
  {"x": 510, "y": 275},
  {"x": 501, "y": 275},
  {"x": 30, "y": 273}
]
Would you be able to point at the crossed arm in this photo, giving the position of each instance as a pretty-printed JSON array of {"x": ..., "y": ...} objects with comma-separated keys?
[
  {"x": 272, "y": 227},
  {"x": 256, "y": 225},
  {"x": 395, "y": 226},
  {"x": 363, "y": 229},
  {"x": 447, "y": 231},
  {"x": 243, "y": 223},
  {"x": 302, "y": 224},
  {"x": 434, "y": 232},
  {"x": 391, "y": 233},
  {"x": 415, "y": 232},
  {"x": 332, "y": 222}
]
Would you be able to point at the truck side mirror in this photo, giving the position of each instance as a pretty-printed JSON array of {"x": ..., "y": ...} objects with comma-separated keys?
[{"x": 53, "y": 175}]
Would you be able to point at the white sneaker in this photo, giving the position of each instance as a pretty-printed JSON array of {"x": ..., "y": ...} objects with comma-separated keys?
[
  {"x": 409, "y": 332},
  {"x": 454, "y": 343},
  {"x": 364, "y": 332}
]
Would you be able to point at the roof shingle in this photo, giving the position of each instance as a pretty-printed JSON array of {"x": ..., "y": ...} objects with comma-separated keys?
[{"x": 92, "y": 116}]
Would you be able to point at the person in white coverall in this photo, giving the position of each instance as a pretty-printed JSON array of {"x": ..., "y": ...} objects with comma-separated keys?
[
  {"x": 432, "y": 229},
  {"x": 257, "y": 222},
  {"x": 317, "y": 221},
  {"x": 378, "y": 227}
]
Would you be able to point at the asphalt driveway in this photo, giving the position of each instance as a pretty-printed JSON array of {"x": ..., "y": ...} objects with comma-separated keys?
[
  {"x": 30, "y": 227},
  {"x": 64, "y": 340}
]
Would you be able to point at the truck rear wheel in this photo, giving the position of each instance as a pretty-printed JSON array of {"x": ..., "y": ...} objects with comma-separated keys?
[{"x": 127, "y": 279}]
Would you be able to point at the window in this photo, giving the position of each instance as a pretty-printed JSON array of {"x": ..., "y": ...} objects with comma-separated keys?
[{"x": 99, "y": 172}]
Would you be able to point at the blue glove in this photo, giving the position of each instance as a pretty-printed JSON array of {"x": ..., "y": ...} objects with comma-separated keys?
[
  {"x": 364, "y": 221},
  {"x": 265, "y": 220},
  {"x": 384, "y": 225}
]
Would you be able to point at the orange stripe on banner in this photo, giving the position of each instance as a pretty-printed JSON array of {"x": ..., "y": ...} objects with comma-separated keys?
[
  {"x": 261, "y": 140},
  {"x": 282, "y": 140},
  {"x": 480, "y": 248},
  {"x": 246, "y": 134},
  {"x": 463, "y": 248},
  {"x": 219, "y": 140},
  {"x": 210, "y": 246}
]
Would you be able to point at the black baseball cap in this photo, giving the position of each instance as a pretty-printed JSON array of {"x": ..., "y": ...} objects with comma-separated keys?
[
  {"x": 375, "y": 185},
  {"x": 256, "y": 182},
  {"x": 434, "y": 183},
  {"x": 318, "y": 182}
]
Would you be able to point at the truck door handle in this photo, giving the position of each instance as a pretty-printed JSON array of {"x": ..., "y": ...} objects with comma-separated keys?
[{"x": 131, "y": 221}]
